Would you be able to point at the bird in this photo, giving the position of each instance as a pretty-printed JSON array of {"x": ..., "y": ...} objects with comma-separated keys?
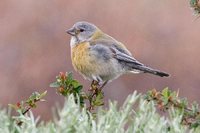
[{"x": 101, "y": 58}]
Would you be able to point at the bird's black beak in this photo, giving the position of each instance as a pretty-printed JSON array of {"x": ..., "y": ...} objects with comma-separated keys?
[{"x": 71, "y": 31}]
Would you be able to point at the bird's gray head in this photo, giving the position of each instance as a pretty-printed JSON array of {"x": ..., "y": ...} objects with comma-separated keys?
[{"x": 82, "y": 31}]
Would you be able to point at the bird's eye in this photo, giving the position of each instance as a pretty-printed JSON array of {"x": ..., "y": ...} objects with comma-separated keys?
[{"x": 81, "y": 30}]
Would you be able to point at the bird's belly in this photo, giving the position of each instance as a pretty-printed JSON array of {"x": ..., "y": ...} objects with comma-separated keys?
[{"x": 94, "y": 68}]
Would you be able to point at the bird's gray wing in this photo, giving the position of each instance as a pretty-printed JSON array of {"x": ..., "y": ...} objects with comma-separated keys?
[
  {"x": 117, "y": 49},
  {"x": 101, "y": 52},
  {"x": 113, "y": 49},
  {"x": 125, "y": 57}
]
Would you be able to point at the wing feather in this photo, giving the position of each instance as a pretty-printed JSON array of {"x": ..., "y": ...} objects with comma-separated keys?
[
  {"x": 115, "y": 49},
  {"x": 126, "y": 58}
]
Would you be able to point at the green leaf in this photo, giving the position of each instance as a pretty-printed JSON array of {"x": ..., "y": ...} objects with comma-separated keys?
[
  {"x": 43, "y": 94},
  {"x": 99, "y": 99},
  {"x": 195, "y": 124},
  {"x": 183, "y": 102},
  {"x": 34, "y": 95},
  {"x": 193, "y": 2},
  {"x": 54, "y": 85},
  {"x": 75, "y": 83},
  {"x": 33, "y": 105},
  {"x": 69, "y": 77},
  {"x": 82, "y": 101},
  {"x": 166, "y": 92},
  {"x": 78, "y": 89}
]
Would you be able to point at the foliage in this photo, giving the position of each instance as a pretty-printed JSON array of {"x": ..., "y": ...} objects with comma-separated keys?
[
  {"x": 67, "y": 85},
  {"x": 167, "y": 99},
  {"x": 154, "y": 112},
  {"x": 143, "y": 118},
  {"x": 24, "y": 106},
  {"x": 194, "y": 4}
]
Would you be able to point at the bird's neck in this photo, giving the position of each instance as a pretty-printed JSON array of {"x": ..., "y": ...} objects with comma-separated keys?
[{"x": 99, "y": 35}]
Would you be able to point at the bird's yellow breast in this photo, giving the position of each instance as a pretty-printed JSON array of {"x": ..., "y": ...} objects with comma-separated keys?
[{"x": 81, "y": 58}]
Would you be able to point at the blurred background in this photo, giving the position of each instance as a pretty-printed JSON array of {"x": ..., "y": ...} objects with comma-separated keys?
[{"x": 34, "y": 47}]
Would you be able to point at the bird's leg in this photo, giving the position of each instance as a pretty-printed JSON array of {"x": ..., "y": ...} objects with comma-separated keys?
[{"x": 103, "y": 85}]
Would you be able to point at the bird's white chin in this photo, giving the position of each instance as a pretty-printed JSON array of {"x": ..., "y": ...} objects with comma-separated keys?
[{"x": 73, "y": 41}]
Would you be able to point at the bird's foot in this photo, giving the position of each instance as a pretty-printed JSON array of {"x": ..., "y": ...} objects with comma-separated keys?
[
  {"x": 94, "y": 85},
  {"x": 101, "y": 87}
]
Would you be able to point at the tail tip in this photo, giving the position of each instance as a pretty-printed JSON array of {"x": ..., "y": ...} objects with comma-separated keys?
[{"x": 162, "y": 74}]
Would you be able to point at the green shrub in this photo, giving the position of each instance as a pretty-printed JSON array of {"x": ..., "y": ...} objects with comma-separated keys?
[{"x": 136, "y": 115}]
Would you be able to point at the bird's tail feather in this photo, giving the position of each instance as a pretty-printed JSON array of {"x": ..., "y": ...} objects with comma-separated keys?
[{"x": 146, "y": 69}]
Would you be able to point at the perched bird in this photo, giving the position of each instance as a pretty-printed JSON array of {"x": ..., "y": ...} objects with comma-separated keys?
[{"x": 99, "y": 57}]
